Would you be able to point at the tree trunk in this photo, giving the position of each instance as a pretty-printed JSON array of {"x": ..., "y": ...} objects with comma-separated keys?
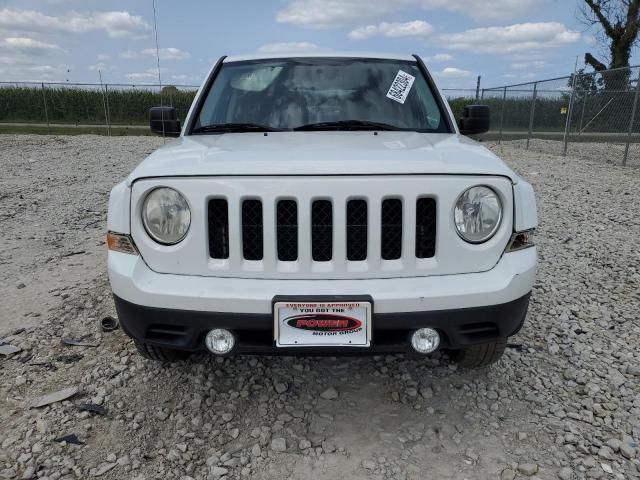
[{"x": 620, "y": 23}]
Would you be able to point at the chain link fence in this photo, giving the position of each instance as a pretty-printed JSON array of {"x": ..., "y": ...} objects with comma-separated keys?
[
  {"x": 459, "y": 97},
  {"x": 110, "y": 109},
  {"x": 589, "y": 114},
  {"x": 593, "y": 114}
]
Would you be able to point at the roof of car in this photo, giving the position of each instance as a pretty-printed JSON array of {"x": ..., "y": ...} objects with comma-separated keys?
[{"x": 312, "y": 54}]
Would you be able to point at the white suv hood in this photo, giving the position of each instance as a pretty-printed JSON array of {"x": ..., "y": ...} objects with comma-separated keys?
[{"x": 321, "y": 153}]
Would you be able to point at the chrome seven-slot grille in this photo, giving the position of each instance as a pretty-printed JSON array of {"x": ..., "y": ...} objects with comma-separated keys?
[{"x": 322, "y": 225}]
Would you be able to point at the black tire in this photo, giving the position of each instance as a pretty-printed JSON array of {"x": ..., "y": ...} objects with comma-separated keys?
[
  {"x": 481, "y": 355},
  {"x": 160, "y": 354}
]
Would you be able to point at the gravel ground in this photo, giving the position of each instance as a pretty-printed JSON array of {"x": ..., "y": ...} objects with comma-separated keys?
[
  {"x": 604, "y": 152},
  {"x": 563, "y": 403}
]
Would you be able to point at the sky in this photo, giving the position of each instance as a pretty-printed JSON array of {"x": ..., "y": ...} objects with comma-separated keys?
[{"x": 504, "y": 41}]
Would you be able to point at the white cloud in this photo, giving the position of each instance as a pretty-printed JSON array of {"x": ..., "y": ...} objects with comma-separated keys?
[
  {"x": 119, "y": 24},
  {"x": 12, "y": 69},
  {"x": 182, "y": 78},
  {"x": 453, "y": 72},
  {"x": 438, "y": 57},
  {"x": 334, "y": 13},
  {"x": 416, "y": 28},
  {"x": 137, "y": 76},
  {"x": 150, "y": 74},
  {"x": 169, "y": 53},
  {"x": 27, "y": 46},
  {"x": 128, "y": 55},
  {"x": 102, "y": 66},
  {"x": 22, "y": 58},
  {"x": 523, "y": 76},
  {"x": 521, "y": 37},
  {"x": 116, "y": 24},
  {"x": 529, "y": 65},
  {"x": 290, "y": 47},
  {"x": 146, "y": 75},
  {"x": 102, "y": 57}
]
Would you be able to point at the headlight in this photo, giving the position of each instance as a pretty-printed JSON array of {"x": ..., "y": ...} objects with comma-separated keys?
[
  {"x": 478, "y": 214},
  {"x": 166, "y": 216}
]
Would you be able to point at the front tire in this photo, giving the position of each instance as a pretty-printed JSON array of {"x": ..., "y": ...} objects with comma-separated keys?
[
  {"x": 160, "y": 354},
  {"x": 481, "y": 355}
]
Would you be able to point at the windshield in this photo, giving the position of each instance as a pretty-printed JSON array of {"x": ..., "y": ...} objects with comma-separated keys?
[{"x": 320, "y": 93}]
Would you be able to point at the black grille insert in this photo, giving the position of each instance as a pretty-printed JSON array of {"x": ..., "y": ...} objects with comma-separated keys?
[
  {"x": 252, "y": 242},
  {"x": 322, "y": 231},
  {"x": 479, "y": 331},
  {"x": 218, "y": 215},
  {"x": 391, "y": 235},
  {"x": 425, "y": 228},
  {"x": 356, "y": 230},
  {"x": 287, "y": 230}
]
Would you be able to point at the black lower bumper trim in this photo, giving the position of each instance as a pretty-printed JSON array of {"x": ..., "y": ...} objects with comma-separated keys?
[{"x": 185, "y": 329}]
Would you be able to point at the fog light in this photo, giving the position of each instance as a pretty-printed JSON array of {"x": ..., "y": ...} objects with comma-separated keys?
[
  {"x": 425, "y": 340},
  {"x": 220, "y": 341}
]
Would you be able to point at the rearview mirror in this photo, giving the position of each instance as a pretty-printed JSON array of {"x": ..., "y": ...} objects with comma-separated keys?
[
  {"x": 476, "y": 119},
  {"x": 164, "y": 121}
]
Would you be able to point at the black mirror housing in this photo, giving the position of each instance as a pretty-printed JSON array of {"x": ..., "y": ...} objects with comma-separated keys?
[
  {"x": 476, "y": 120},
  {"x": 164, "y": 121}
]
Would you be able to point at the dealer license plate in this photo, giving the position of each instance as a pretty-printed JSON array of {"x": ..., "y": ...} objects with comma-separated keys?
[{"x": 320, "y": 324}]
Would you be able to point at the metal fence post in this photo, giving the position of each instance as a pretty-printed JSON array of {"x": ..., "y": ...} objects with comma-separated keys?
[
  {"x": 103, "y": 90},
  {"x": 46, "y": 112},
  {"x": 478, "y": 88},
  {"x": 569, "y": 112},
  {"x": 632, "y": 121},
  {"x": 504, "y": 101},
  {"x": 108, "y": 112},
  {"x": 533, "y": 112},
  {"x": 584, "y": 107}
]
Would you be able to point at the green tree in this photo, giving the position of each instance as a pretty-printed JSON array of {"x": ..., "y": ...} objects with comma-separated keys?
[{"x": 618, "y": 23}]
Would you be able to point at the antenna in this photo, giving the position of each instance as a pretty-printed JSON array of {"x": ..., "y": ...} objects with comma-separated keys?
[{"x": 155, "y": 28}]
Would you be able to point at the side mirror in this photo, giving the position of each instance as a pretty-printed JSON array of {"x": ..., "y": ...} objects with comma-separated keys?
[
  {"x": 164, "y": 120},
  {"x": 476, "y": 119}
]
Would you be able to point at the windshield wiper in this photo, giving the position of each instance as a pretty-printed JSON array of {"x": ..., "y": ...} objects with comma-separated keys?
[
  {"x": 235, "y": 127},
  {"x": 347, "y": 125}
]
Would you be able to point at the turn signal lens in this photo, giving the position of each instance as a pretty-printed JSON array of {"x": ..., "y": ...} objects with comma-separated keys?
[
  {"x": 119, "y": 242},
  {"x": 520, "y": 241}
]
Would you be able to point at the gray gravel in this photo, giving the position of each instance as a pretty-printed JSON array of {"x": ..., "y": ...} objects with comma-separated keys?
[
  {"x": 604, "y": 152},
  {"x": 563, "y": 403}
]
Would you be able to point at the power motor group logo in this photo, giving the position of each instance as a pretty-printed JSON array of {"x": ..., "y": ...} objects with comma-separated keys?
[{"x": 324, "y": 323}]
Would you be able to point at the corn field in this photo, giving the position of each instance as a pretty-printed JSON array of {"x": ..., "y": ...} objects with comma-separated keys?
[{"x": 77, "y": 105}]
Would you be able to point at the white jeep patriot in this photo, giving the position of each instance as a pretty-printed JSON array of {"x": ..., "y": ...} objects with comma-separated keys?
[{"x": 321, "y": 204}]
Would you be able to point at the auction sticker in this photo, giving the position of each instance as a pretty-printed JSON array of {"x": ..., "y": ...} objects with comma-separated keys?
[
  {"x": 317, "y": 324},
  {"x": 401, "y": 87}
]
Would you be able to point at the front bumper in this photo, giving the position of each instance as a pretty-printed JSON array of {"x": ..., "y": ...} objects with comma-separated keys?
[
  {"x": 176, "y": 311},
  {"x": 185, "y": 330}
]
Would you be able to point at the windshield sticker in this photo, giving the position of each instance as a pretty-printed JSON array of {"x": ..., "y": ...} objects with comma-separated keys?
[{"x": 400, "y": 87}]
